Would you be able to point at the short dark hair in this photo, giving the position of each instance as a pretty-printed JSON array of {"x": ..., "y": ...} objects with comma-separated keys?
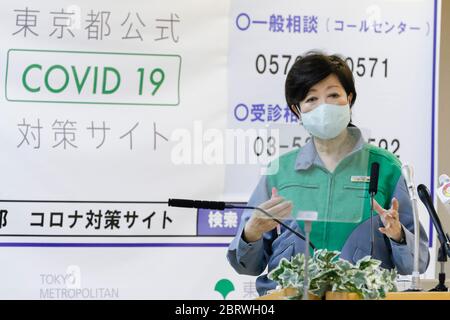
[{"x": 312, "y": 68}]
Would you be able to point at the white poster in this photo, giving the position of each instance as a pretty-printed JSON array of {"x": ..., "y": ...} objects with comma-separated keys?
[{"x": 110, "y": 109}]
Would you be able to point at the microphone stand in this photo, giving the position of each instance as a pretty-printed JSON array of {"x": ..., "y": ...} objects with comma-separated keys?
[
  {"x": 408, "y": 174},
  {"x": 372, "y": 232},
  {"x": 220, "y": 205},
  {"x": 442, "y": 259},
  {"x": 415, "y": 286},
  {"x": 373, "y": 189}
]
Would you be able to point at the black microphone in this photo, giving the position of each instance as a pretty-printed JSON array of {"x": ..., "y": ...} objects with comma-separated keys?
[
  {"x": 373, "y": 189},
  {"x": 186, "y": 203},
  {"x": 220, "y": 205},
  {"x": 424, "y": 195},
  {"x": 374, "y": 173}
]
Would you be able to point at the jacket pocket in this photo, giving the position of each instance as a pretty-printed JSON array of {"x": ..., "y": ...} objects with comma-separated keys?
[
  {"x": 298, "y": 185},
  {"x": 360, "y": 191}
]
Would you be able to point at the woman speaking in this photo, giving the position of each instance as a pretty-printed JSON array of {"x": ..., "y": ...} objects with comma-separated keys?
[{"x": 329, "y": 175}]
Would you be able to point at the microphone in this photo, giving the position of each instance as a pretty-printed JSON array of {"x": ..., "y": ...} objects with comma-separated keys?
[
  {"x": 443, "y": 191},
  {"x": 408, "y": 174},
  {"x": 443, "y": 178},
  {"x": 373, "y": 189},
  {"x": 425, "y": 197},
  {"x": 374, "y": 173},
  {"x": 220, "y": 205},
  {"x": 200, "y": 204}
]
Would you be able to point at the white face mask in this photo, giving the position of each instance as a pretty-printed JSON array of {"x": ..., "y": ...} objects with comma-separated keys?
[{"x": 326, "y": 121}]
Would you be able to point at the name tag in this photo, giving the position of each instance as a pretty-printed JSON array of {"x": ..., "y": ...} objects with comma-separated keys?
[{"x": 363, "y": 179}]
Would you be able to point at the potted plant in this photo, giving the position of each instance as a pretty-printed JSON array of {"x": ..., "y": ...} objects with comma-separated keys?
[{"x": 331, "y": 277}]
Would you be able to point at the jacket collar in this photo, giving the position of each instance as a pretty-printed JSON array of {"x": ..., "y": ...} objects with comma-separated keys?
[{"x": 308, "y": 155}]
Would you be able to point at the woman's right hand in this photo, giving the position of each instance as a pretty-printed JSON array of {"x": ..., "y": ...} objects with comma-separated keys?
[{"x": 259, "y": 223}]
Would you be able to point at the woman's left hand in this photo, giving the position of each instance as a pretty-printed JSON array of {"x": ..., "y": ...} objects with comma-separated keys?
[{"x": 390, "y": 218}]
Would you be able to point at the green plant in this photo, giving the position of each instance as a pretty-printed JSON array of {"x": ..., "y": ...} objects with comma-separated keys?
[{"x": 328, "y": 272}]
